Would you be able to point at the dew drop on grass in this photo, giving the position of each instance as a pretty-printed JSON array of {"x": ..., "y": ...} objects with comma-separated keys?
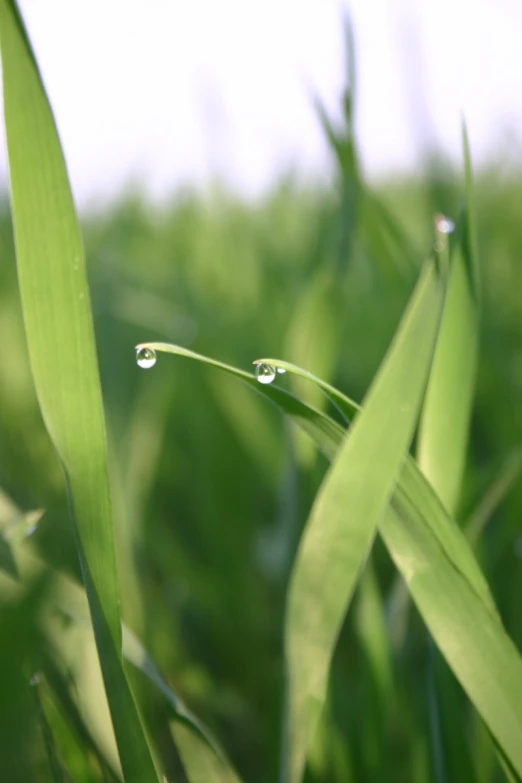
[
  {"x": 145, "y": 358},
  {"x": 281, "y": 370},
  {"x": 35, "y": 679},
  {"x": 444, "y": 224},
  {"x": 265, "y": 373}
]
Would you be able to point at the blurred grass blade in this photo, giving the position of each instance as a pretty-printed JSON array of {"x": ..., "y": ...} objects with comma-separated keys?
[
  {"x": 70, "y": 599},
  {"x": 370, "y": 622},
  {"x": 343, "y": 521},
  {"x": 60, "y": 337},
  {"x": 444, "y": 425},
  {"x": 200, "y": 761},
  {"x": 508, "y": 476}
]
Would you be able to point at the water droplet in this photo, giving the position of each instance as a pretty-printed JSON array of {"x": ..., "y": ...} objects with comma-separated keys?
[
  {"x": 35, "y": 680},
  {"x": 265, "y": 373},
  {"x": 31, "y": 529},
  {"x": 444, "y": 224},
  {"x": 146, "y": 358},
  {"x": 281, "y": 370}
]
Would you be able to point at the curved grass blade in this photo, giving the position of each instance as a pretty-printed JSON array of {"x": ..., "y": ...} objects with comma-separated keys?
[
  {"x": 60, "y": 338},
  {"x": 444, "y": 425},
  {"x": 451, "y": 594},
  {"x": 321, "y": 428},
  {"x": 341, "y": 528},
  {"x": 438, "y": 566},
  {"x": 412, "y": 489}
]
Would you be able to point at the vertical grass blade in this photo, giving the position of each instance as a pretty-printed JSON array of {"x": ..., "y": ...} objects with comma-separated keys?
[
  {"x": 342, "y": 525},
  {"x": 444, "y": 426},
  {"x": 60, "y": 338}
]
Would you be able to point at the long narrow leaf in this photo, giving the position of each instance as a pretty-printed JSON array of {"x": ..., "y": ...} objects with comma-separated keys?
[
  {"x": 59, "y": 329},
  {"x": 343, "y": 522},
  {"x": 444, "y": 426},
  {"x": 70, "y": 600},
  {"x": 437, "y": 564}
]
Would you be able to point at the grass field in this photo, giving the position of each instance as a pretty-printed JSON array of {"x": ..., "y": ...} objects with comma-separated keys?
[{"x": 282, "y": 619}]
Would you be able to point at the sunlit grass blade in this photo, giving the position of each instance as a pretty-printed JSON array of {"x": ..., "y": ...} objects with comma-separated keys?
[
  {"x": 469, "y": 635},
  {"x": 412, "y": 489},
  {"x": 438, "y": 566},
  {"x": 344, "y": 518},
  {"x": 60, "y": 338},
  {"x": 321, "y": 428},
  {"x": 444, "y": 425}
]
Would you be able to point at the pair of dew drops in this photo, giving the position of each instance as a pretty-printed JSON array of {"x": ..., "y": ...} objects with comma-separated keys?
[{"x": 265, "y": 373}]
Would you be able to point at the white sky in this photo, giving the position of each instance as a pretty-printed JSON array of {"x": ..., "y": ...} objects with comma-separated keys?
[{"x": 170, "y": 91}]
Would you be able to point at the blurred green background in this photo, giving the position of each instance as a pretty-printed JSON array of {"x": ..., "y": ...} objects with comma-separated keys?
[{"x": 212, "y": 487}]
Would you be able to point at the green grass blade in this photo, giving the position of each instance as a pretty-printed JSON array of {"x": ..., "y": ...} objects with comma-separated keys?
[
  {"x": 469, "y": 635},
  {"x": 199, "y": 760},
  {"x": 60, "y": 337},
  {"x": 444, "y": 425},
  {"x": 412, "y": 489},
  {"x": 342, "y": 525},
  {"x": 70, "y": 599},
  {"x": 322, "y": 429},
  {"x": 438, "y": 566}
]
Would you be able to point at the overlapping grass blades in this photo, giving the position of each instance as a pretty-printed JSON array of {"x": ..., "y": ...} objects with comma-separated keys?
[
  {"x": 64, "y": 596},
  {"x": 60, "y": 337},
  {"x": 340, "y": 530},
  {"x": 436, "y": 563}
]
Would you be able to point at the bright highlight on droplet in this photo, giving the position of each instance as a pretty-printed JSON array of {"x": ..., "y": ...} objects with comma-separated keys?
[
  {"x": 145, "y": 358},
  {"x": 444, "y": 224},
  {"x": 265, "y": 373}
]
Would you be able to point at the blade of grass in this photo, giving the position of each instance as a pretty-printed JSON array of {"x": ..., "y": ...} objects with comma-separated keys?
[
  {"x": 469, "y": 635},
  {"x": 199, "y": 760},
  {"x": 70, "y": 600},
  {"x": 437, "y": 564},
  {"x": 412, "y": 488},
  {"x": 60, "y": 337},
  {"x": 321, "y": 428},
  {"x": 508, "y": 476},
  {"x": 343, "y": 521},
  {"x": 444, "y": 424},
  {"x": 328, "y": 434}
]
